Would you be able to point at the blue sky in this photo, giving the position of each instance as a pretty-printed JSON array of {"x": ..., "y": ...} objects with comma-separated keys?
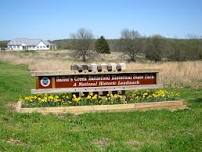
[{"x": 56, "y": 19}]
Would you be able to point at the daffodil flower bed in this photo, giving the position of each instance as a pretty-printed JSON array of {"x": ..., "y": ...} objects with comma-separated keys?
[{"x": 67, "y": 99}]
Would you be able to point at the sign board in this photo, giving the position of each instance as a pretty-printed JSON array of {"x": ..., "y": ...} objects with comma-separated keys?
[{"x": 91, "y": 82}]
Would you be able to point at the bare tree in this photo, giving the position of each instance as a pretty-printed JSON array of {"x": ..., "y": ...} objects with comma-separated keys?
[
  {"x": 130, "y": 43},
  {"x": 158, "y": 48},
  {"x": 82, "y": 41},
  {"x": 193, "y": 36}
]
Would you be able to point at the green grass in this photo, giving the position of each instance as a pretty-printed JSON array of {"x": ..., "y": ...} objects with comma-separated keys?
[{"x": 154, "y": 131}]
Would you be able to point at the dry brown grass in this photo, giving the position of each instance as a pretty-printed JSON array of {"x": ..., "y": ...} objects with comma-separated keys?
[
  {"x": 176, "y": 73},
  {"x": 172, "y": 73}
]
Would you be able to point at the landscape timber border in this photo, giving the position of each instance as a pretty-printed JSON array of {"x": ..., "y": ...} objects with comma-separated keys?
[
  {"x": 168, "y": 105},
  {"x": 95, "y": 89},
  {"x": 68, "y": 83}
]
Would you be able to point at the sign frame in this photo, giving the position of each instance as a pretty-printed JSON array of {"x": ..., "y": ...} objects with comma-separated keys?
[{"x": 53, "y": 75}]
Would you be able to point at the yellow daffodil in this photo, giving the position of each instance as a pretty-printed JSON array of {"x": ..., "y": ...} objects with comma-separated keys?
[
  {"x": 74, "y": 96},
  {"x": 91, "y": 93},
  {"x": 94, "y": 97},
  {"x": 88, "y": 97}
]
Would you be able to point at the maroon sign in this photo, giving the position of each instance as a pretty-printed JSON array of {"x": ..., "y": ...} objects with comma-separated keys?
[{"x": 96, "y": 80}]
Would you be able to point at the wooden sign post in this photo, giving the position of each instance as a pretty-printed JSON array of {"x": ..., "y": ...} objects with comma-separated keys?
[{"x": 59, "y": 82}]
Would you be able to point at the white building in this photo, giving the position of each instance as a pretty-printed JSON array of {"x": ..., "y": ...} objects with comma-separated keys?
[{"x": 30, "y": 44}]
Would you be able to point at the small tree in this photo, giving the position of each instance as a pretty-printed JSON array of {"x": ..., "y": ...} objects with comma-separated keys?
[
  {"x": 101, "y": 45},
  {"x": 130, "y": 43},
  {"x": 81, "y": 42}
]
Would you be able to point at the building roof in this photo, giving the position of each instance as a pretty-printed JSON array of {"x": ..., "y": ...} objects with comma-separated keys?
[{"x": 28, "y": 42}]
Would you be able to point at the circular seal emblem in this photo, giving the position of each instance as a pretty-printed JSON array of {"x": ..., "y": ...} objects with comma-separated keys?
[{"x": 45, "y": 82}]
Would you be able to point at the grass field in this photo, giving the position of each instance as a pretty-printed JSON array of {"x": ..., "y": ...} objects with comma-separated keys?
[
  {"x": 171, "y": 72},
  {"x": 154, "y": 131}
]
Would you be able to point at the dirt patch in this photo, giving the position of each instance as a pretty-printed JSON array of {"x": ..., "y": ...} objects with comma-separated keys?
[
  {"x": 134, "y": 143},
  {"x": 14, "y": 141},
  {"x": 101, "y": 143},
  {"x": 11, "y": 106}
]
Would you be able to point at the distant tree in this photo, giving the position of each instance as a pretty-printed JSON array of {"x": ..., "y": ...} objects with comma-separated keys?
[
  {"x": 186, "y": 49},
  {"x": 130, "y": 43},
  {"x": 81, "y": 42},
  {"x": 101, "y": 45},
  {"x": 155, "y": 47},
  {"x": 178, "y": 52},
  {"x": 3, "y": 44},
  {"x": 193, "y": 36}
]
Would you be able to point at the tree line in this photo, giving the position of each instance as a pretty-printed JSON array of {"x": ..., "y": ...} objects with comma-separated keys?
[{"x": 132, "y": 43}]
